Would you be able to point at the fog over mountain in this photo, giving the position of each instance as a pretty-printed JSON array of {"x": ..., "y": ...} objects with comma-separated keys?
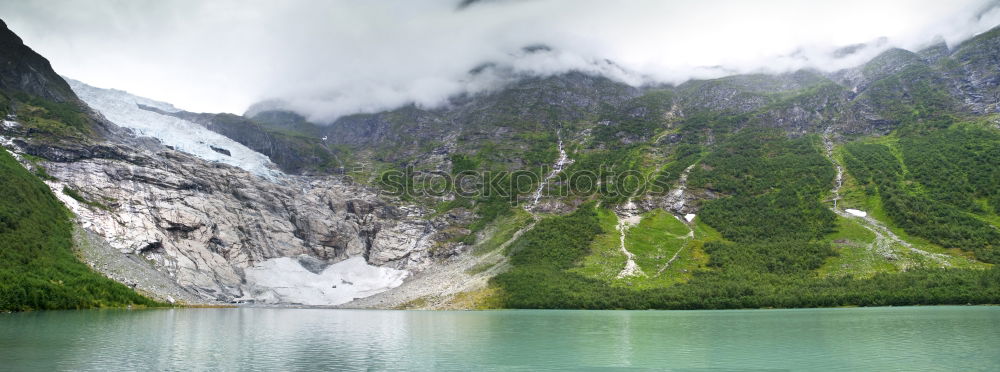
[{"x": 326, "y": 59}]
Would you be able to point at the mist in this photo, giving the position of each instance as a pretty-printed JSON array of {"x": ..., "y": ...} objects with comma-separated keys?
[{"x": 327, "y": 59}]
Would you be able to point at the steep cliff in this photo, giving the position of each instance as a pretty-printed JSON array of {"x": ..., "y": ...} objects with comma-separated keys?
[{"x": 24, "y": 71}]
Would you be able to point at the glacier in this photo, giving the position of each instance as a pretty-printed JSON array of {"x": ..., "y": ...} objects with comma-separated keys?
[
  {"x": 290, "y": 282},
  {"x": 122, "y": 108}
]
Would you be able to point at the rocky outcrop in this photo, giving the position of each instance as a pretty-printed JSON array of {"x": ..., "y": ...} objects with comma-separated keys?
[{"x": 974, "y": 67}]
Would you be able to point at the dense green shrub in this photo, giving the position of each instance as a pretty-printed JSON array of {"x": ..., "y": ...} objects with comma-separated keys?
[
  {"x": 38, "y": 269},
  {"x": 775, "y": 223},
  {"x": 957, "y": 165},
  {"x": 772, "y": 257},
  {"x": 943, "y": 223}
]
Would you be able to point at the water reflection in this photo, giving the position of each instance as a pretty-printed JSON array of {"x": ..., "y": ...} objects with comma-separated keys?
[{"x": 931, "y": 338}]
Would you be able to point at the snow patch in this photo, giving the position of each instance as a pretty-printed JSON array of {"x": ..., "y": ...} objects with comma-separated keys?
[
  {"x": 855, "y": 212},
  {"x": 339, "y": 283},
  {"x": 122, "y": 109},
  {"x": 689, "y": 217}
]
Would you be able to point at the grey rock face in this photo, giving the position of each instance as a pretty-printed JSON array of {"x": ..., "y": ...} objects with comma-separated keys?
[
  {"x": 974, "y": 66},
  {"x": 409, "y": 131},
  {"x": 221, "y": 151},
  {"x": 204, "y": 223}
]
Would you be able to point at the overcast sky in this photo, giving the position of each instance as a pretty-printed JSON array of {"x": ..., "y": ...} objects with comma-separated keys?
[{"x": 330, "y": 58}]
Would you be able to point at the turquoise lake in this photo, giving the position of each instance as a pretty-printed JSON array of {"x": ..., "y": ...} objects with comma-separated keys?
[{"x": 945, "y": 338}]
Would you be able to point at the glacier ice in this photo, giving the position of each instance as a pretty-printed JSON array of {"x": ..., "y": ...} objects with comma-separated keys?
[
  {"x": 339, "y": 283},
  {"x": 122, "y": 108}
]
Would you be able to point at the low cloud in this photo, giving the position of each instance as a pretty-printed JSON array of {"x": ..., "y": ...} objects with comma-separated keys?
[{"x": 326, "y": 59}]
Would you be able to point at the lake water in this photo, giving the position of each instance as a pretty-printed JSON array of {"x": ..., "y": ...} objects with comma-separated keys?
[{"x": 904, "y": 338}]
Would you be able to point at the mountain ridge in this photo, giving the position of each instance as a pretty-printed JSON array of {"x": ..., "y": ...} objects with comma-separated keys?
[{"x": 724, "y": 193}]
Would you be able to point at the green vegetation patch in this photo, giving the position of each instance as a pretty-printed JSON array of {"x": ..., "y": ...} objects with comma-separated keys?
[
  {"x": 768, "y": 242},
  {"x": 856, "y": 254},
  {"x": 52, "y": 118},
  {"x": 542, "y": 276},
  {"x": 503, "y": 229},
  {"x": 880, "y": 173},
  {"x": 38, "y": 269},
  {"x": 76, "y": 196},
  {"x": 605, "y": 258}
]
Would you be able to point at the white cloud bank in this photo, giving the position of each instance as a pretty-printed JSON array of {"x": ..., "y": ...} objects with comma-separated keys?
[{"x": 331, "y": 58}]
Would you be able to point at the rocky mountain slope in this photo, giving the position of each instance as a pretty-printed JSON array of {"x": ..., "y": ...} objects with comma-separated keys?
[
  {"x": 220, "y": 232},
  {"x": 871, "y": 185},
  {"x": 24, "y": 71}
]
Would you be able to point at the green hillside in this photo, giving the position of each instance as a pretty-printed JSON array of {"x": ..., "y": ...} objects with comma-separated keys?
[{"x": 777, "y": 244}]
